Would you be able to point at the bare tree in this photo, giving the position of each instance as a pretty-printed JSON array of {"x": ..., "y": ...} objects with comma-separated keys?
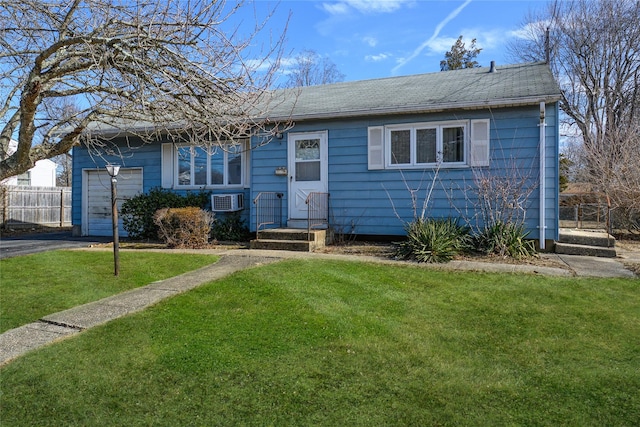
[
  {"x": 144, "y": 67},
  {"x": 310, "y": 69},
  {"x": 501, "y": 196},
  {"x": 65, "y": 170},
  {"x": 594, "y": 50},
  {"x": 460, "y": 57}
]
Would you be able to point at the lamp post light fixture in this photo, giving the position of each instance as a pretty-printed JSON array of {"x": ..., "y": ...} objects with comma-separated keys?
[{"x": 113, "y": 170}]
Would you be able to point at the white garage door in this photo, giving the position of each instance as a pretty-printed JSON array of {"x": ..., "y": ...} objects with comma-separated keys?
[{"x": 97, "y": 199}]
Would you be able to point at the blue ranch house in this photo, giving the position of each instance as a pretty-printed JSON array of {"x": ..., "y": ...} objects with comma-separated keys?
[{"x": 372, "y": 154}]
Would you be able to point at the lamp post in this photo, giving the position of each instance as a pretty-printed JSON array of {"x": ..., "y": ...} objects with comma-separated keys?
[{"x": 113, "y": 170}]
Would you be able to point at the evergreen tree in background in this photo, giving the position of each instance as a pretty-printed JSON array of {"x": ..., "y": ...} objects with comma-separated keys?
[{"x": 460, "y": 57}]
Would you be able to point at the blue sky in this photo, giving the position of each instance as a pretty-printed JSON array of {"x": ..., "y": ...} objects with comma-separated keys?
[{"x": 381, "y": 38}]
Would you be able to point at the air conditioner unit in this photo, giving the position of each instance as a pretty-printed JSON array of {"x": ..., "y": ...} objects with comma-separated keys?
[{"x": 227, "y": 202}]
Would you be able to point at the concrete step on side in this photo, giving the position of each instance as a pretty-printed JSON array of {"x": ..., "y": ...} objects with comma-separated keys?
[
  {"x": 586, "y": 250},
  {"x": 304, "y": 224},
  {"x": 292, "y": 234},
  {"x": 285, "y": 245},
  {"x": 586, "y": 237}
]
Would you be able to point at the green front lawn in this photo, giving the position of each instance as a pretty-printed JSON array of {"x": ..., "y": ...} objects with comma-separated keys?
[
  {"x": 45, "y": 283},
  {"x": 310, "y": 342}
]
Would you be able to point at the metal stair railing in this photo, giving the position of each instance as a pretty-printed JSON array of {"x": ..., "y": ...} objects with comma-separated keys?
[
  {"x": 268, "y": 210},
  {"x": 317, "y": 210}
]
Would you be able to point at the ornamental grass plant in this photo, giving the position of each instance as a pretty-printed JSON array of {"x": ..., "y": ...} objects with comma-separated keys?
[
  {"x": 433, "y": 240},
  {"x": 505, "y": 239}
]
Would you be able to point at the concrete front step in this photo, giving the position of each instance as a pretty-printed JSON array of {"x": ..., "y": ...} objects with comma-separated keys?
[
  {"x": 284, "y": 245},
  {"x": 303, "y": 224},
  {"x": 292, "y": 234},
  {"x": 586, "y": 237},
  {"x": 586, "y": 250},
  {"x": 289, "y": 239}
]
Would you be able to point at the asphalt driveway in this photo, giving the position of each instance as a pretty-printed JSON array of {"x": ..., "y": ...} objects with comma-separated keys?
[{"x": 24, "y": 244}]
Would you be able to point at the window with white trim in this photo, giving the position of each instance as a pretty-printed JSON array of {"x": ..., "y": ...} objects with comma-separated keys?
[
  {"x": 427, "y": 144},
  {"x": 215, "y": 166},
  {"x": 24, "y": 178}
]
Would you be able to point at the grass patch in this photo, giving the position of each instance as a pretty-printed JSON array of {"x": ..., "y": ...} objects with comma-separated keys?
[
  {"x": 310, "y": 342},
  {"x": 36, "y": 285}
]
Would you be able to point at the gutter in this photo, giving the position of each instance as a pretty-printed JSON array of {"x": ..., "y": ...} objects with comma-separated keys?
[
  {"x": 543, "y": 142},
  {"x": 418, "y": 109}
]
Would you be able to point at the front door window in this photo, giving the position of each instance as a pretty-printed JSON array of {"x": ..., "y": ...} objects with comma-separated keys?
[{"x": 308, "y": 160}]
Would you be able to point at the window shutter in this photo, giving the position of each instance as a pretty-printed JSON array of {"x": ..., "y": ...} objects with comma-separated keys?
[
  {"x": 376, "y": 147},
  {"x": 247, "y": 163},
  {"x": 166, "y": 166},
  {"x": 479, "y": 143}
]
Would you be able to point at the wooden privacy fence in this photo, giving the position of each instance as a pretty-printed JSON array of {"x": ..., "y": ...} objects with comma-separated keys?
[{"x": 24, "y": 206}]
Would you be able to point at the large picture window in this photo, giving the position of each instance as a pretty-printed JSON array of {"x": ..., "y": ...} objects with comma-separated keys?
[
  {"x": 426, "y": 144},
  {"x": 216, "y": 166}
]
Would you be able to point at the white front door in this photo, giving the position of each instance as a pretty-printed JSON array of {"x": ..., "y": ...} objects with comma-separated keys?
[{"x": 308, "y": 171}]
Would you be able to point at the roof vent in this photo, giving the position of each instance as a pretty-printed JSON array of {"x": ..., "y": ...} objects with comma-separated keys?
[{"x": 493, "y": 67}]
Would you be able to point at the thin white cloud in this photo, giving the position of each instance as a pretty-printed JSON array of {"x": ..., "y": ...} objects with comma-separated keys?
[
  {"x": 335, "y": 8},
  {"x": 377, "y": 58},
  {"x": 371, "y": 41},
  {"x": 341, "y": 52},
  {"x": 427, "y": 43},
  {"x": 285, "y": 65},
  {"x": 489, "y": 39},
  {"x": 287, "y": 62},
  {"x": 364, "y": 6},
  {"x": 529, "y": 31},
  {"x": 259, "y": 65},
  {"x": 485, "y": 40},
  {"x": 441, "y": 44}
]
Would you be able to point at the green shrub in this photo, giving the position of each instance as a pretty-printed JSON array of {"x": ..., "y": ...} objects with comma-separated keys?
[
  {"x": 433, "y": 240},
  {"x": 184, "y": 227},
  {"x": 231, "y": 228},
  {"x": 505, "y": 239},
  {"x": 138, "y": 212}
]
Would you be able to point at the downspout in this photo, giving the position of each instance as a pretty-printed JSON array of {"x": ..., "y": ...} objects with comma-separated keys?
[{"x": 543, "y": 225}]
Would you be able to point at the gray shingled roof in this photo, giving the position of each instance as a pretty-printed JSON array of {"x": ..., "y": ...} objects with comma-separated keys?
[{"x": 469, "y": 88}]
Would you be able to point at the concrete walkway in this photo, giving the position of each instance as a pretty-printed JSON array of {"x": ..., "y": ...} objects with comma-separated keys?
[
  {"x": 572, "y": 265},
  {"x": 51, "y": 328}
]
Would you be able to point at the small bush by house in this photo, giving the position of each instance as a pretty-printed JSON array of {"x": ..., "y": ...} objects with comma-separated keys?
[
  {"x": 184, "y": 227},
  {"x": 138, "y": 212},
  {"x": 230, "y": 228}
]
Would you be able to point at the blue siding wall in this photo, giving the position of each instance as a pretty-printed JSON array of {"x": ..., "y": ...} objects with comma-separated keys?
[
  {"x": 378, "y": 202},
  {"x": 264, "y": 161},
  {"x": 132, "y": 153}
]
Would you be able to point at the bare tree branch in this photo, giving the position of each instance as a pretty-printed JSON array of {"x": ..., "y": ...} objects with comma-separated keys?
[
  {"x": 141, "y": 67},
  {"x": 595, "y": 55},
  {"x": 310, "y": 69}
]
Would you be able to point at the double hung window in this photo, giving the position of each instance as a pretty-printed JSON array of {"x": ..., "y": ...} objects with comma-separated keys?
[
  {"x": 426, "y": 144},
  {"x": 215, "y": 166},
  {"x": 24, "y": 178}
]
